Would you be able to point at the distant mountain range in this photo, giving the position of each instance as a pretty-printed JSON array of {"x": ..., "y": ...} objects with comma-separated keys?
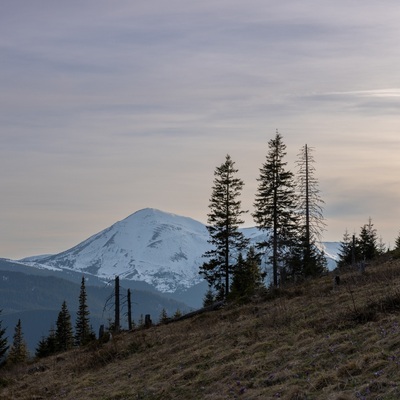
[{"x": 156, "y": 254}]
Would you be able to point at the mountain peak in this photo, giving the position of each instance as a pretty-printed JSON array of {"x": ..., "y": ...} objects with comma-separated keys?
[
  {"x": 159, "y": 248},
  {"x": 162, "y": 249}
]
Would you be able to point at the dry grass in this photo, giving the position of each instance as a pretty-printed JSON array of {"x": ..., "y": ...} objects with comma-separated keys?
[{"x": 303, "y": 342}]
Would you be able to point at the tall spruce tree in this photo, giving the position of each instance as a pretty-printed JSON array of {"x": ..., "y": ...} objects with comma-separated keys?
[
  {"x": 310, "y": 210},
  {"x": 64, "y": 334},
  {"x": 19, "y": 350},
  {"x": 83, "y": 330},
  {"x": 3, "y": 342},
  {"x": 275, "y": 206},
  {"x": 224, "y": 220}
]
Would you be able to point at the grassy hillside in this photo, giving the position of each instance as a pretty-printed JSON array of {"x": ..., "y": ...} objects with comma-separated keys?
[{"x": 310, "y": 341}]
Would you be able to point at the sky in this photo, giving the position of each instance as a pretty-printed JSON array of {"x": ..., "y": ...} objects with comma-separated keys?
[{"x": 110, "y": 107}]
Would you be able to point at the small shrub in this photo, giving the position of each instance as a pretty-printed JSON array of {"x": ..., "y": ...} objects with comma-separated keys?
[{"x": 135, "y": 347}]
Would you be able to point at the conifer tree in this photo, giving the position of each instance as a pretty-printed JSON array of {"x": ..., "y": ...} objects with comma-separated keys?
[
  {"x": 178, "y": 313},
  {"x": 209, "y": 298},
  {"x": 381, "y": 247},
  {"x": 19, "y": 350},
  {"x": 294, "y": 270},
  {"x": 42, "y": 349},
  {"x": 247, "y": 276},
  {"x": 51, "y": 342},
  {"x": 346, "y": 250},
  {"x": 368, "y": 242},
  {"x": 64, "y": 335},
  {"x": 224, "y": 220},
  {"x": 83, "y": 330},
  {"x": 275, "y": 206},
  {"x": 3, "y": 342},
  {"x": 397, "y": 243},
  {"x": 47, "y": 345},
  {"x": 163, "y": 316},
  {"x": 311, "y": 214}
]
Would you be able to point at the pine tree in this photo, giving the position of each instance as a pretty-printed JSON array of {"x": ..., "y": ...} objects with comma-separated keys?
[
  {"x": 224, "y": 221},
  {"x": 19, "y": 350},
  {"x": 247, "y": 276},
  {"x": 275, "y": 206},
  {"x": 83, "y": 330},
  {"x": 51, "y": 341},
  {"x": 311, "y": 213},
  {"x": 64, "y": 334},
  {"x": 163, "y": 316},
  {"x": 209, "y": 298},
  {"x": 178, "y": 313},
  {"x": 3, "y": 342},
  {"x": 368, "y": 241},
  {"x": 346, "y": 250},
  {"x": 47, "y": 345},
  {"x": 397, "y": 243},
  {"x": 381, "y": 247},
  {"x": 42, "y": 349},
  {"x": 294, "y": 270}
]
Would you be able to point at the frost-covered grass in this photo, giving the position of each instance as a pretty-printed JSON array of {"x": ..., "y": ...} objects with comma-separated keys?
[{"x": 309, "y": 341}]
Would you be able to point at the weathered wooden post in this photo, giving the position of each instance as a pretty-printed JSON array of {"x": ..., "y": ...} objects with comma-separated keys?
[
  {"x": 117, "y": 318},
  {"x": 129, "y": 310},
  {"x": 353, "y": 251},
  {"x": 147, "y": 321}
]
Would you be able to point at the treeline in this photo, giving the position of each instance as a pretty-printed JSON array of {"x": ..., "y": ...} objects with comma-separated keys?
[
  {"x": 287, "y": 208},
  {"x": 61, "y": 337},
  {"x": 358, "y": 250}
]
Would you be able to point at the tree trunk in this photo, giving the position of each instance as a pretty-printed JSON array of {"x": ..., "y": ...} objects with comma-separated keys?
[{"x": 117, "y": 319}]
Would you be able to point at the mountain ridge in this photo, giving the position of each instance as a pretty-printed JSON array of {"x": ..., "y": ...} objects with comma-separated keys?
[{"x": 163, "y": 249}]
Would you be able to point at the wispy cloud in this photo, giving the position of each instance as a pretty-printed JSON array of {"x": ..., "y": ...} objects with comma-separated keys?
[
  {"x": 384, "y": 93},
  {"x": 107, "y": 108}
]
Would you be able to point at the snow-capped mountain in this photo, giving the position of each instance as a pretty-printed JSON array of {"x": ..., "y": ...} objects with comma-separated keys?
[{"x": 162, "y": 249}]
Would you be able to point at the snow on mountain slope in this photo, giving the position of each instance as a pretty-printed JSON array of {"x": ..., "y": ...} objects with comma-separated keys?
[{"x": 162, "y": 249}]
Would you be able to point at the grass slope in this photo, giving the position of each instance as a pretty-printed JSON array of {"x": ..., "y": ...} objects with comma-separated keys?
[{"x": 309, "y": 341}]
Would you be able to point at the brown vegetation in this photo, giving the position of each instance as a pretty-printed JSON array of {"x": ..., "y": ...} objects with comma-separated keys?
[{"x": 309, "y": 341}]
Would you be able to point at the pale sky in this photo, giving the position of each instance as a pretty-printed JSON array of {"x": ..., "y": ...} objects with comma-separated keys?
[{"x": 108, "y": 107}]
